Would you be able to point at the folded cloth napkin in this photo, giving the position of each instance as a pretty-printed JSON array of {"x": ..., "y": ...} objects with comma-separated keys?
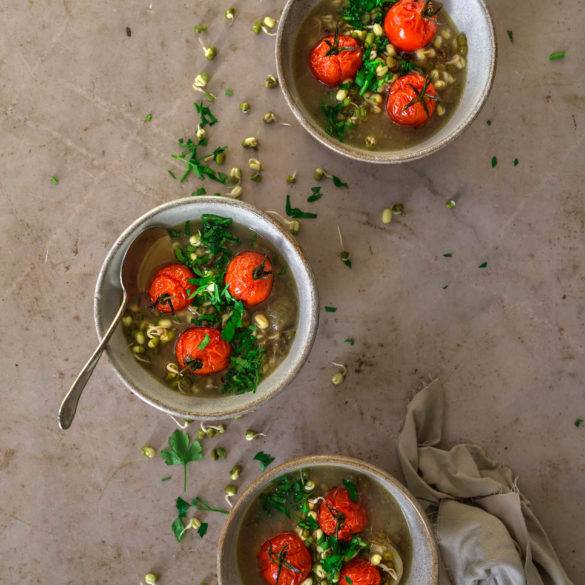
[{"x": 486, "y": 530}]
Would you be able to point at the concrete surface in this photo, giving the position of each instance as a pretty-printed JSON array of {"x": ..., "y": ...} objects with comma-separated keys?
[{"x": 85, "y": 506}]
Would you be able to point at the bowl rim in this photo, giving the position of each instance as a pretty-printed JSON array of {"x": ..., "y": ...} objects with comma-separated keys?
[
  {"x": 388, "y": 157},
  {"x": 311, "y": 313},
  {"x": 295, "y": 463}
]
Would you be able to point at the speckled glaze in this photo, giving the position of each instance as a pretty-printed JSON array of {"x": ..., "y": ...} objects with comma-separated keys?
[
  {"x": 424, "y": 567},
  {"x": 470, "y": 16},
  {"x": 147, "y": 387}
]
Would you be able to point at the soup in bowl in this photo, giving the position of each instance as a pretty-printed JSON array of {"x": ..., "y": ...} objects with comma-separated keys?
[
  {"x": 324, "y": 520},
  {"x": 226, "y": 311},
  {"x": 389, "y": 81}
]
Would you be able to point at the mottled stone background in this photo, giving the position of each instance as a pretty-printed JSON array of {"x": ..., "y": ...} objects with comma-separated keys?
[{"x": 85, "y": 506}]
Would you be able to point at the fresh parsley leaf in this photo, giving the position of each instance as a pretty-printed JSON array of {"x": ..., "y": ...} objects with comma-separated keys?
[
  {"x": 557, "y": 56},
  {"x": 234, "y": 321},
  {"x": 199, "y": 191},
  {"x": 515, "y": 162},
  {"x": 494, "y": 161},
  {"x": 483, "y": 265},
  {"x": 54, "y": 180},
  {"x": 315, "y": 194},
  {"x": 182, "y": 451},
  {"x": 204, "y": 342},
  {"x": 579, "y": 422},
  {"x": 182, "y": 507},
  {"x": 286, "y": 495},
  {"x": 148, "y": 117},
  {"x": 202, "y": 530},
  {"x": 206, "y": 116},
  {"x": 338, "y": 182},
  {"x": 351, "y": 490},
  {"x": 178, "y": 529},
  {"x": 349, "y": 340},
  {"x": 297, "y": 213},
  {"x": 264, "y": 458},
  {"x": 329, "y": 309},
  {"x": 510, "y": 35},
  {"x": 204, "y": 506}
]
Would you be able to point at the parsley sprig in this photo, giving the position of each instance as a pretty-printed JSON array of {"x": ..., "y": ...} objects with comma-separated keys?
[{"x": 181, "y": 451}]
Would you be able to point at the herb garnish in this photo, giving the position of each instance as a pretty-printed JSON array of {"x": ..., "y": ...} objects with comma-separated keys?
[
  {"x": 330, "y": 309},
  {"x": 355, "y": 9},
  {"x": 296, "y": 212},
  {"x": 229, "y": 92},
  {"x": 349, "y": 340},
  {"x": 204, "y": 342},
  {"x": 579, "y": 422},
  {"x": 245, "y": 371},
  {"x": 182, "y": 451},
  {"x": 448, "y": 254},
  {"x": 515, "y": 162},
  {"x": 315, "y": 194},
  {"x": 54, "y": 180},
  {"x": 557, "y": 56},
  {"x": 264, "y": 458},
  {"x": 337, "y": 120},
  {"x": 351, "y": 490},
  {"x": 287, "y": 495},
  {"x": 483, "y": 265},
  {"x": 494, "y": 161},
  {"x": 510, "y": 35},
  {"x": 179, "y": 529},
  {"x": 148, "y": 117}
]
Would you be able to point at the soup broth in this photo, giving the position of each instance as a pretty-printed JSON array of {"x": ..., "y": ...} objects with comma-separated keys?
[
  {"x": 385, "y": 533},
  {"x": 259, "y": 335},
  {"x": 359, "y": 117}
]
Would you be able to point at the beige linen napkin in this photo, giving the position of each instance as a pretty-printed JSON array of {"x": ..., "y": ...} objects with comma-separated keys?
[{"x": 486, "y": 530}]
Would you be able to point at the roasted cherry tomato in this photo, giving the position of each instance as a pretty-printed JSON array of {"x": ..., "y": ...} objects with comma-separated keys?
[
  {"x": 333, "y": 60},
  {"x": 360, "y": 572},
  {"x": 202, "y": 350},
  {"x": 412, "y": 100},
  {"x": 168, "y": 288},
  {"x": 338, "y": 514},
  {"x": 284, "y": 560},
  {"x": 249, "y": 277},
  {"x": 410, "y": 24}
]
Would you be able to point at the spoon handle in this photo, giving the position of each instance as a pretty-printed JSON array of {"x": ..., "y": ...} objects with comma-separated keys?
[{"x": 69, "y": 405}]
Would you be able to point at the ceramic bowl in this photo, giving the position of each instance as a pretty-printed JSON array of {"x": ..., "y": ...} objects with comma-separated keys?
[
  {"x": 108, "y": 296},
  {"x": 470, "y": 16},
  {"x": 421, "y": 569}
]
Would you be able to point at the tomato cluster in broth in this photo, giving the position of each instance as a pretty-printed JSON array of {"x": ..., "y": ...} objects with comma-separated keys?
[
  {"x": 403, "y": 61},
  {"x": 218, "y": 315},
  {"x": 319, "y": 526}
]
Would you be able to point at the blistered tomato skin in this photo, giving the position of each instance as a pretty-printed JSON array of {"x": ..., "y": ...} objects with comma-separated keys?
[
  {"x": 338, "y": 513},
  {"x": 333, "y": 65},
  {"x": 360, "y": 572},
  {"x": 213, "y": 358},
  {"x": 249, "y": 277},
  {"x": 292, "y": 552},
  {"x": 168, "y": 288},
  {"x": 402, "y": 93},
  {"x": 407, "y": 26}
]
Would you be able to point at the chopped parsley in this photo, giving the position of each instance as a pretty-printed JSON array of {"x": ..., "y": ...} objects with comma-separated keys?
[
  {"x": 178, "y": 527},
  {"x": 355, "y": 9},
  {"x": 351, "y": 488},
  {"x": 286, "y": 495},
  {"x": 579, "y": 422},
  {"x": 557, "y": 56},
  {"x": 315, "y": 195},
  {"x": 199, "y": 191},
  {"x": 54, "y": 180},
  {"x": 515, "y": 162},
  {"x": 166, "y": 478},
  {"x": 204, "y": 342},
  {"x": 337, "y": 120},
  {"x": 483, "y": 265},
  {"x": 264, "y": 458},
  {"x": 229, "y": 92},
  {"x": 510, "y": 35},
  {"x": 349, "y": 340},
  {"x": 148, "y": 117},
  {"x": 338, "y": 182},
  {"x": 330, "y": 309},
  {"x": 494, "y": 161},
  {"x": 448, "y": 254},
  {"x": 296, "y": 212},
  {"x": 246, "y": 360}
]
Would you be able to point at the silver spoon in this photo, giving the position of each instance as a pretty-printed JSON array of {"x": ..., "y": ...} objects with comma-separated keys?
[{"x": 130, "y": 275}]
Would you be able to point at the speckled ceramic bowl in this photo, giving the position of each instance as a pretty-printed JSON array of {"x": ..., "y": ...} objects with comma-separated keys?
[
  {"x": 108, "y": 296},
  {"x": 470, "y": 16},
  {"x": 421, "y": 569}
]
